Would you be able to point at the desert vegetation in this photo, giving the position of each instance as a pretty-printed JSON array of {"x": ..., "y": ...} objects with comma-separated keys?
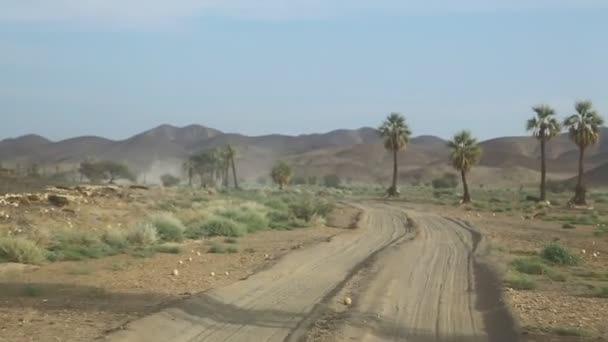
[{"x": 396, "y": 135}]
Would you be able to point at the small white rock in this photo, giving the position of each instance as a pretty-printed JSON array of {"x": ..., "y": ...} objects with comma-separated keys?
[
  {"x": 190, "y": 259},
  {"x": 227, "y": 273},
  {"x": 198, "y": 253},
  {"x": 266, "y": 256},
  {"x": 348, "y": 301},
  {"x": 583, "y": 251},
  {"x": 175, "y": 273},
  {"x": 181, "y": 262},
  {"x": 192, "y": 251},
  {"x": 212, "y": 274}
]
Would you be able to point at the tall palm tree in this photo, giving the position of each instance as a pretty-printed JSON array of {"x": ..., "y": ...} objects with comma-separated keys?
[
  {"x": 544, "y": 126},
  {"x": 584, "y": 130},
  {"x": 465, "y": 153},
  {"x": 230, "y": 156},
  {"x": 188, "y": 167},
  {"x": 396, "y": 134}
]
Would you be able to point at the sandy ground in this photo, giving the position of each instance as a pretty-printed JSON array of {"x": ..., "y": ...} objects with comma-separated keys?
[
  {"x": 419, "y": 288},
  {"x": 79, "y": 301}
]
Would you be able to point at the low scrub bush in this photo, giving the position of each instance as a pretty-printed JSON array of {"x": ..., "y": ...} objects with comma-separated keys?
[
  {"x": 168, "y": 227},
  {"x": 559, "y": 255},
  {"x": 529, "y": 266},
  {"x": 252, "y": 220},
  {"x": 20, "y": 250},
  {"x": 142, "y": 235},
  {"x": 561, "y": 331},
  {"x": 217, "y": 249},
  {"x": 520, "y": 281},
  {"x": 221, "y": 226},
  {"x": 447, "y": 181},
  {"x": 79, "y": 245},
  {"x": 167, "y": 249}
]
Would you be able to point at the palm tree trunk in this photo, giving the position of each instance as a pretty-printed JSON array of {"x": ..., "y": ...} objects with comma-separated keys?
[
  {"x": 190, "y": 172},
  {"x": 579, "y": 195},
  {"x": 543, "y": 172},
  {"x": 466, "y": 198},
  {"x": 393, "y": 190},
  {"x": 236, "y": 183},
  {"x": 226, "y": 167}
]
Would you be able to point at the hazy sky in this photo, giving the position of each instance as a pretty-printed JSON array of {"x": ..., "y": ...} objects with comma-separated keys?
[{"x": 117, "y": 67}]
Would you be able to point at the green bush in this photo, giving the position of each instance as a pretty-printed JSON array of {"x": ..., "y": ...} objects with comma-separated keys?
[
  {"x": 115, "y": 239},
  {"x": 232, "y": 250},
  {"x": 559, "y": 255},
  {"x": 250, "y": 219},
  {"x": 569, "y": 332},
  {"x": 21, "y": 251},
  {"x": 519, "y": 281},
  {"x": 217, "y": 249},
  {"x": 142, "y": 235},
  {"x": 168, "y": 227},
  {"x": 447, "y": 181},
  {"x": 168, "y": 249},
  {"x": 529, "y": 266},
  {"x": 79, "y": 245},
  {"x": 568, "y": 226},
  {"x": 555, "y": 275},
  {"x": 602, "y": 292},
  {"x": 221, "y": 226}
]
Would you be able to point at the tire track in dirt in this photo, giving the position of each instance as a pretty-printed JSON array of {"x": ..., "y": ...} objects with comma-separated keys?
[
  {"x": 271, "y": 305},
  {"x": 428, "y": 289}
]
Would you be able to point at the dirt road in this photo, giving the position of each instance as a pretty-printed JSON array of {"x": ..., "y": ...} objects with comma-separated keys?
[
  {"x": 428, "y": 289},
  {"x": 419, "y": 290}
]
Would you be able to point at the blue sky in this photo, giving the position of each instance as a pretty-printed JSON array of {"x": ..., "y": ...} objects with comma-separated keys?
[{"x": 114, "y": 68}]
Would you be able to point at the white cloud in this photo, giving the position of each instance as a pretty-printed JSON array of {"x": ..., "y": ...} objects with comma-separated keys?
[{"x": 153, "y": 12}]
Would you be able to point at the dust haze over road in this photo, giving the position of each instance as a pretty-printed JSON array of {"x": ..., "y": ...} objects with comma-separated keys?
[{"x": 419, "y": 285}]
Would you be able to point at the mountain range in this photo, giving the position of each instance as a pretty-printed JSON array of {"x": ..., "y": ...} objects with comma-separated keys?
[{"x": 352, "y": 154}]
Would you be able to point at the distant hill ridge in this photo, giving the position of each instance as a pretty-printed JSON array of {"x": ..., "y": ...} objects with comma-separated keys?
[{"x": 354, "y": 153}]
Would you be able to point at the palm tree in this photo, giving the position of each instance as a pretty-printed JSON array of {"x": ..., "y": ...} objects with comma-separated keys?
[
  {"x": 396, "y": 136},
  {"x": 584, "y": 130},
  {"x": 230, "y": 156},
  {"x": 465, "y": 153},
  {"x": 544, "y": 126},
  {"x": 188, "y": 167},
  {"x": 281, "y": 173}
]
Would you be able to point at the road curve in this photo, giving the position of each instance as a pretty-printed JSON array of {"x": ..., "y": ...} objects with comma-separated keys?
[
  {"x": 270, "y": 305},
  {"x": 427, "y": 290}
]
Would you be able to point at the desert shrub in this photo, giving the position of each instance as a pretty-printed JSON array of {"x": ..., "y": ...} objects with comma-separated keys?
[
  {"x": 169, "y": 180},
  {"x": 20, "y": 250},
  {"x": 232, "y": 250},
  {"x": 231, "y": 240},
  {"x": 78, "y": 245},
  {"x": 568, "y": 226},
  {"x": 520, "y": 281},
  {"x": 529, "y": 265},
  {"x": 168, "y": 227},
  {"x": 217, "y": 249},
  {"x": 602, "y": 292},
  {"x": 557, "y": 254},
  {"x": 168, "y": 249},
  {"x": 221, "y": 226},
  {"x": 601, "y": 231},
  {"x": 142, "y": 235},
  {"x": 250, "y": 219},
  {"x": 555, "y": 275},
  {"x": 115, "y": 238},
  {"x": 332, "y": 181},
  {"x": 306, "y": 207},
  {"x": 567, "y": 331},
  {"x": 447, "y": 181}
]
